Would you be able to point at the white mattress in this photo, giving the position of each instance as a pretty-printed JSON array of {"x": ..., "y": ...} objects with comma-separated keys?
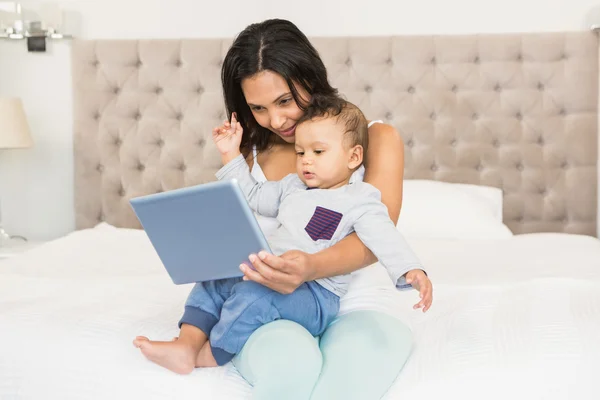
[{"x": 515, "y": 318}]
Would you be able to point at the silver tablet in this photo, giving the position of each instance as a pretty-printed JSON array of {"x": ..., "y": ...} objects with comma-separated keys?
[{"x": 202, "y": 232}]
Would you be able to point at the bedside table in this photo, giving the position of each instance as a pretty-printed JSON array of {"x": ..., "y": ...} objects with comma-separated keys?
[{"x": 14, "y": 247}]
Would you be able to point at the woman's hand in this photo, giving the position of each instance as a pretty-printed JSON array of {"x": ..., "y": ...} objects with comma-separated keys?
[
  {"x": 227, "y": 138},
  {"x": 282, "y": 274},
  {"x": 419, "y": 280}
]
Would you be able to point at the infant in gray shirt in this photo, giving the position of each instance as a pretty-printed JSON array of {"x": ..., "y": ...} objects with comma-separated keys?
[{"x": 320, "y": 205}]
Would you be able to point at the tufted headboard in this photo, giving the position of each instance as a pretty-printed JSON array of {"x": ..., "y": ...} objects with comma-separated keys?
[{"x": 514, "y": 111}]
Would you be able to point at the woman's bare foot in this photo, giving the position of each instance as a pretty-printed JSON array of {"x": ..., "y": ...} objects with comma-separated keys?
[{"x": 177, "y": 356}]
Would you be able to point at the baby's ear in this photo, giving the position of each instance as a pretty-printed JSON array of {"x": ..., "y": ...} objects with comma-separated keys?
[{"x": 356, "y": 157}]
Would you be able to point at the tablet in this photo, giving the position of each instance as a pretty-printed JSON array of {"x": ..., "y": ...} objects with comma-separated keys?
[{"x": 202, "y": 232}]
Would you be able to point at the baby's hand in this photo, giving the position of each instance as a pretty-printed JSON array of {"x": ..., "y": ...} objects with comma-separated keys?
[
  {"x": 227, "y": 138},
  {"x": 421, "y": 282}
]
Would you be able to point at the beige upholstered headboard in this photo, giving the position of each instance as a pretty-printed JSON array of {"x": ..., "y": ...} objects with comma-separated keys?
[{"x": 518, "y": 112}]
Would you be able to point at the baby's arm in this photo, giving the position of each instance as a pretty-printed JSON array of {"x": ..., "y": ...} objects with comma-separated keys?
[
  {"x": 377, "y": 231},
  {"x": 263, "y": 197}
]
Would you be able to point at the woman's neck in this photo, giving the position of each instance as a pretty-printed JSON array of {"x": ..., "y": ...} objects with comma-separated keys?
[{"x": 277, "y": 160}]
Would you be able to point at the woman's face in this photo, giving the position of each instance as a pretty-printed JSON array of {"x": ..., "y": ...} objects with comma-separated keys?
[{"x": 272, "y": 104}]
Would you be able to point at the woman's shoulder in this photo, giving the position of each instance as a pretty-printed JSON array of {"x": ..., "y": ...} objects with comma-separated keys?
[
  {"x": 379, "y": 126},
  {"x": 384, "y": 134}
]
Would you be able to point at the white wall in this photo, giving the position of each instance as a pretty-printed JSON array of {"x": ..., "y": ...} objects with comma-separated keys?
[{"x": 36, "y": 186}]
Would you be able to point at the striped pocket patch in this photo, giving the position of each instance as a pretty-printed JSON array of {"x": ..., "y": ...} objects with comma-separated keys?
[{"x": 323, "y": 224}]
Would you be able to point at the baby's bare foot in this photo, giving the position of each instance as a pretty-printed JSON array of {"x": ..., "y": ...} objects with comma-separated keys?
[{"x": 176, "y": 355}]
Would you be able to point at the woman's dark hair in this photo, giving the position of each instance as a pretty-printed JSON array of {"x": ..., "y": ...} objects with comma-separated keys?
[{"x": 279, "y": 46}]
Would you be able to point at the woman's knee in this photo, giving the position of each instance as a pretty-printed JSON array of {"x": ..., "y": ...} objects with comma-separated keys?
[
  {"x": 356, "y": 345},
  {"x": 281, "y": 360}
]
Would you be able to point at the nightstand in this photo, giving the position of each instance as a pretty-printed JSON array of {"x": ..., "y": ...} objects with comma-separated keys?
[{"x": 14, "y": 247}]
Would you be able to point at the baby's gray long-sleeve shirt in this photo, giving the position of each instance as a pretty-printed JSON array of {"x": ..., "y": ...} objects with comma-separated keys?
[{"x": 314, "y": 219}]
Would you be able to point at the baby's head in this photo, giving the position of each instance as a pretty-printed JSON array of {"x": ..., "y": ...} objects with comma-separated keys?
[{"x": 331, "y": 143}]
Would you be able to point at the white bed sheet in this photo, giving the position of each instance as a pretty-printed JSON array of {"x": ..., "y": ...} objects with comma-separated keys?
[{"x": 507, "y": 315}]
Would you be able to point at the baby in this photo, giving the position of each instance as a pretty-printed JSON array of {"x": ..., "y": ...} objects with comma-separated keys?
[{"x": 316, "y": 207}]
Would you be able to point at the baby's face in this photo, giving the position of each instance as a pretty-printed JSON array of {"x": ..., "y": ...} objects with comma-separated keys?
[{"x": 324, "y": 160}]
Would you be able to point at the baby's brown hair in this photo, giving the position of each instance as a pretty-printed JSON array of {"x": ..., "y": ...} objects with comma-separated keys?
[{"x": 357, "y": 129}]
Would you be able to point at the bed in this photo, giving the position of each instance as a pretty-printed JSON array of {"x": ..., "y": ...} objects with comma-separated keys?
[{"x": 501, "y": 159}]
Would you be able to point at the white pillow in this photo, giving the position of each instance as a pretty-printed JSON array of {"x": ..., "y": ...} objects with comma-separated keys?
[{"x": 442, "y": 210}]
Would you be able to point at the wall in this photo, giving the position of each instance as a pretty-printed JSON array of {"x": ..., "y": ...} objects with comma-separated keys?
[{"x": 36, "y": 187}]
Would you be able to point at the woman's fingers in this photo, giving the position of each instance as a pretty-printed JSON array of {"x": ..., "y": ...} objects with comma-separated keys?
[
  {"x": 266, "y": 270},
  {"x": 252, "y": 274},
  {"x": 269, "y": 271},
  {"x": 273, "y": 261}
]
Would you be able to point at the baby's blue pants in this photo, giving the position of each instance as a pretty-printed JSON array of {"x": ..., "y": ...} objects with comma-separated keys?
[{"x": 228, "y": 311}]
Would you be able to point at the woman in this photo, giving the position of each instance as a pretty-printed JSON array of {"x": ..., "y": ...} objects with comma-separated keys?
[{"x": 269, "y": 75}]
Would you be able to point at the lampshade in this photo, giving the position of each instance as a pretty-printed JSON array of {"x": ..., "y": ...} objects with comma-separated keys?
[{"x": 14, "y": 129}]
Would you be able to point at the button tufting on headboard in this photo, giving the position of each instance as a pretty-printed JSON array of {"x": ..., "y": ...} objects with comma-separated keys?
[{"x": 514, "y": 111}]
